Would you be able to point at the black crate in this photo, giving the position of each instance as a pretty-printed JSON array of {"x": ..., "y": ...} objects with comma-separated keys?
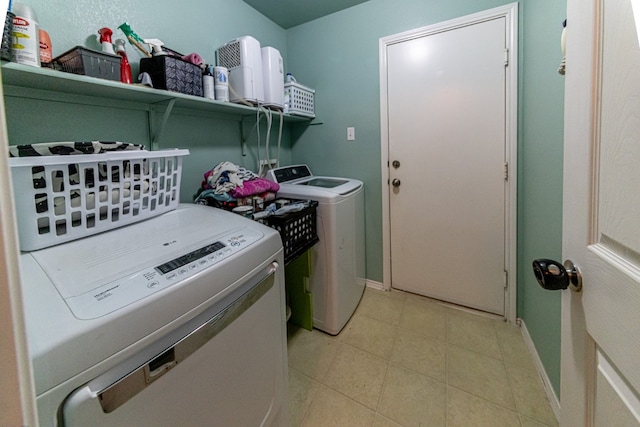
[
  {"x": 81, "y": 60},
  {"x": 174, "y": 74},
  {"x": 297, "y": 230}
]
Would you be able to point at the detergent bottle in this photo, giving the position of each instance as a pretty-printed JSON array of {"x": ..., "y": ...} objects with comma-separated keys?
[{"x": 125, "y": 67}]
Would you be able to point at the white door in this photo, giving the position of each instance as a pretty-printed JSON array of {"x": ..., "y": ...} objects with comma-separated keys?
[
  {"x": 601, "y": 228},
  {"x": 447, "y": 130}
]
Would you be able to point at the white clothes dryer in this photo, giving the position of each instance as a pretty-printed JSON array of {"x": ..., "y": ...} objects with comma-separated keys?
[
  {"x": 176, "y": 320},
  {"x": 338, "y": 260}
]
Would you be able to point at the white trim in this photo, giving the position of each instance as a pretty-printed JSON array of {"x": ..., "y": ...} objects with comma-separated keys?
[
  {"x": 17, "y": 405},
  {"x": 546, "y": 382},
  {"x": 510, "y": 13},
  {"x": 378, "y": 286}
]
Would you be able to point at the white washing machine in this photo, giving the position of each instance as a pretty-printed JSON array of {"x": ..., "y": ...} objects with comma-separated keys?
[
  {"x": 338, "y": 261},
  {"x": 176, "y": 320}
]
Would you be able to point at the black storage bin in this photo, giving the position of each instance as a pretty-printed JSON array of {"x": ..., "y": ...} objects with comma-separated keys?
[
  {"x": 173, "y": 73},
  {"x": 297, "y": 230}
]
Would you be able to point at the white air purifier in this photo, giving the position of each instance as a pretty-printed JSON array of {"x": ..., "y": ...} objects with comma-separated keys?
[
  {"x": 273, "y": 78},
  {"x": 243, "y": 58}
]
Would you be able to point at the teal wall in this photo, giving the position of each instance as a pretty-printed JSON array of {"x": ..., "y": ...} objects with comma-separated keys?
[
  {"x": 540, "y": 173},
  {"x": 338, "y": 56}
]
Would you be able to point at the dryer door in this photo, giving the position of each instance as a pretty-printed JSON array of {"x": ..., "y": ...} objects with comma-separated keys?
[{"x": 231, "y": 370}]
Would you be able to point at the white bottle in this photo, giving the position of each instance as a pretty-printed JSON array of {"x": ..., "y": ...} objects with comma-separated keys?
[
  {"x": 25, "y": 44},
  {"x": 221, "y": 88},
  {"x": 207, "y": 83}
]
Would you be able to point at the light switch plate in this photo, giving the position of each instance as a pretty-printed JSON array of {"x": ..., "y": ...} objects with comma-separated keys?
[{"x": 351, "y": 134}]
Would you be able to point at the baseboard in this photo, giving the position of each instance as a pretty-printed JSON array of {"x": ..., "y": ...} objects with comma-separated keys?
[
  {"x": 548, "y": 388},
  {"x": 379, "y": 286}
]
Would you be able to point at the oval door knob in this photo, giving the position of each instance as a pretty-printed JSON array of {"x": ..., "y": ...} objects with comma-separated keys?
[
  {"x": 552, "y": 275},
  {"x": 395, "y": 164},
  {"x": 395, "y": 182}
]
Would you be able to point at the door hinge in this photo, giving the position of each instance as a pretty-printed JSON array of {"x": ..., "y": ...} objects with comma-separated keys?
[
  {"x": 506, "y": 171},
  {"x": 506, "y": 57},
  {"x": 506, "y": 279}
]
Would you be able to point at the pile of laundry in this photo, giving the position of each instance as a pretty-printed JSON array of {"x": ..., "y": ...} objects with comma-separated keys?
[{"x": 228, "y": 185}]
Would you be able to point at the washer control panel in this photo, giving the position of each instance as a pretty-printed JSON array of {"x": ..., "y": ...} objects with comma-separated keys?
[{"x": 134, "y": 287}]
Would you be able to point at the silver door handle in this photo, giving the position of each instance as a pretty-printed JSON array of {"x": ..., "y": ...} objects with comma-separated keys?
[{"x": 396, "y": 182}]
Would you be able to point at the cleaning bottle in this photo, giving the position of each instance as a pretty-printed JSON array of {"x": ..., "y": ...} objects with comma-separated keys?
[
  {"x": 105, "y": 40},
  {"x": 207, "y": 82},
  {"x": 25, "y": 48},
  {"x": 45, "y": 49},
  {"x": 125, "y": 67}
]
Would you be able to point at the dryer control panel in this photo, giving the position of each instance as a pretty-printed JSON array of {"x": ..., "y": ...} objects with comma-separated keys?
[{"x": 134, "y": 287}]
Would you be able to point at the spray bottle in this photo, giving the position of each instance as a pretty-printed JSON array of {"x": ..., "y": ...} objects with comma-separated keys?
[
  {"x": 125, "y": 67},
  {"x": 105, "y": 40}
]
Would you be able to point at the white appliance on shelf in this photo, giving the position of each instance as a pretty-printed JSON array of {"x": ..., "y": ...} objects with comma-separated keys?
[
  {"x": 243, "y": 58},
  {"x": 273, "y": 77},
  {"x": 338, "y": 261},
  {"x": 176, "y": 320}
]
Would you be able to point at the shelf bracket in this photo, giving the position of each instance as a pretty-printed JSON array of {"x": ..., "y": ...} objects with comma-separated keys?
[
  {"x": 243, "y": 138},
  {"x": 156, "y": 131}
]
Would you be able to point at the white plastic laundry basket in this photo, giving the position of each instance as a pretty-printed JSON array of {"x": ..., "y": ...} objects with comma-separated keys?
[
  {"x": 301, "y": 99},
  {"x": 63, "y": 198}
]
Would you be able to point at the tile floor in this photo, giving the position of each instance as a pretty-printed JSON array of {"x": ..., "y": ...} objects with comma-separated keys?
[{"x": 406, "y": 360}]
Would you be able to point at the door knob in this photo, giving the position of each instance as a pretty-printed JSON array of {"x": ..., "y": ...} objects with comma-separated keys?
[
  {"x": 396, "y": 164},
  {"x": 552, "y": 275},
  {"x": 395, "y": 182}
]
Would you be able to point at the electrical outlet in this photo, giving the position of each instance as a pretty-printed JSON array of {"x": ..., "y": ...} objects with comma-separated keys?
[
  {"x": 264, "y": 166},
  {"x": 272, "y": 163},
  {"x": 351, "y": 134}
]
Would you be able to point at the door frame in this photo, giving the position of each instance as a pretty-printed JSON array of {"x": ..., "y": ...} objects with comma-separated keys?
[{"x": 510, "y": 13}]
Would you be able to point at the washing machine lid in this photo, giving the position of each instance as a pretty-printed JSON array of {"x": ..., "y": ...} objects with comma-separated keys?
[
  {"x": 298, "y": 181},
  {"x": 104, "y": 273}
]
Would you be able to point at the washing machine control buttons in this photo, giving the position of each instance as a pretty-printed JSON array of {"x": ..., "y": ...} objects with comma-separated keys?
[{"x": 118, "y": 293}]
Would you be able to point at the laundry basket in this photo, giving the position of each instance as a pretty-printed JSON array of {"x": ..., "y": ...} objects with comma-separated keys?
[
  {"x": 63, "y": 198},
  {"x": 301, "y": 99},
  {"x": 297, "y": 229}
]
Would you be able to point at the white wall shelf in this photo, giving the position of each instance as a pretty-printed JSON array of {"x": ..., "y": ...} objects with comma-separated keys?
[{"x": 25, "y": 79}]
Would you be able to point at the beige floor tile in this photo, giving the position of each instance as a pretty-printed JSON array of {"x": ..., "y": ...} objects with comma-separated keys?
[
  {"x": 480, "y": 375},
  {"x": 424, "y": 317},
  {"x": 526, "y": 422},
  {"x": 419, "y": 353},
  {"x": 358, "y": 375},
  {"x": 302, "y": 390},
  {"x": 473, "y": 332},
  {"x": 332, "y": 409},
  {"x": 464, "y": 410},
  {"x": 514, "y": 349},
  {"x": 370, "y": 335},
  {"x": 311, "y": 352},
  {"x": 381, "y": 421},
  {"x": 380, "y": 305},
  {"x": 531, "y": 399},
  {"x": 411, "y": 399}
]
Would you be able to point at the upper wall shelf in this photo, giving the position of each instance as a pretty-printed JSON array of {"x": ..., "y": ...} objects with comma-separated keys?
[{"x": 23, "y": 76}]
